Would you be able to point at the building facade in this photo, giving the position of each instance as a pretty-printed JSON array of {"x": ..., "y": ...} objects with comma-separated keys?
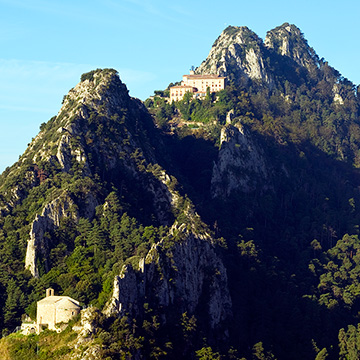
[
  {"x": 52, "y": 310},
  {"x": 178, "y": 92},
  {"x": 198, "y": 85}
]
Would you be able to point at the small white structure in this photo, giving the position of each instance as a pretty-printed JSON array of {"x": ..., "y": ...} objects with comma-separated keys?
[
  {"x": 52, "y": 310},
  {"x": 28, "y": 326}
]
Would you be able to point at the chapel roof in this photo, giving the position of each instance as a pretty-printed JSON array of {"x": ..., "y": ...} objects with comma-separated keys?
[{"x": 59, "y": 301}]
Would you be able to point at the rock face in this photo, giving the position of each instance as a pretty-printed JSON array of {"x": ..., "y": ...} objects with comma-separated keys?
[
  {"x": 66, "y": 152},
  {"x": 47, "y": 221},
  {"x": 61, "y": 207},
  {"x": 241, "y": 165},
  {"x": 16, "y": 194},
  {"x": 237, "y": 50},
  {"x": 176, "y": 276},
  {"x": 99, "y": 101},
  {"x": 88, "y": 324},
  {"x": 337, "y": 97},
  {"x": 288, "y": 40},
  {"x": 240, "y": 54}
]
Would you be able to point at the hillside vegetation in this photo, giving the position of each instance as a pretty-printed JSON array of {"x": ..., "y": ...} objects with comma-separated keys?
[{"x": 217, "y": 228}]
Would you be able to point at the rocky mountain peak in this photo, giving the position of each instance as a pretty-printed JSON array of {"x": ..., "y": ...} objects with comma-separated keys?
[
  {"x": 237, "y": 52},
  {"x": 98, "y": 103},
  {"x": 288, "y": 40},
  {"x": 240, "y": 35},
  {"x": 99, "y": 132},
  {"x": 101, "y": 87}
]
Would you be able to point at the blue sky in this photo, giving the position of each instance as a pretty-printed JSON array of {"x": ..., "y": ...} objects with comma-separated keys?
[{"x": 45, "y": 46}]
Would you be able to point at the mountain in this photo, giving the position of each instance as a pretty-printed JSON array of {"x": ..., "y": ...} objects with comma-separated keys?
[
  {"x": 225, "y": 227},
  {"x": 70, "y": 191},
  {"x": 284, "y": 58}
]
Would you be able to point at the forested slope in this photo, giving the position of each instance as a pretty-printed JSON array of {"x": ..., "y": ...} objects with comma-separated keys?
[{"x": 225, "y": 227}]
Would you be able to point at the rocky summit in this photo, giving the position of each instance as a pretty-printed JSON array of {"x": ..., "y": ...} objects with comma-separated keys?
[{"x": 223, "y": 225}]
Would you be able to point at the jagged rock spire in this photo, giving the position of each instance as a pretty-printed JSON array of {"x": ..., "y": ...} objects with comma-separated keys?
[{"x": 288, "y": 40}]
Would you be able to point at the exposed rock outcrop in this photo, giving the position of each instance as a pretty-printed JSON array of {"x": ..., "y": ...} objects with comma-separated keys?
[
  {"x": 177, "y": 275},
  {"x": 288, "y": 40},
  {"x": 62, "y": 206},
  {"x": 241, "y": 164},
  {"x": 239, "y": 54},
  {"x": 70, "y": 149},
  {"x": 337, "y": 97},
  {"x": 165, "y": 198},
  {"x": 88, "y": 324},
  {"x": 237, "y": 51},
  {"x": 100, "y": 98},
  {"x": 15, "y": 195}
]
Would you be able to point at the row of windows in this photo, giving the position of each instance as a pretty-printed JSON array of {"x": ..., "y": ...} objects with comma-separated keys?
[
  {"x": 206, "y": 83},
  {"x": 177, "y": 94}
]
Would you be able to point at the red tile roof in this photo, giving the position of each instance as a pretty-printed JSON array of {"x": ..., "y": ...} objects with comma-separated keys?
[
  {"x": 205, "y": 76},
  {"x": 182, "y": 87}
]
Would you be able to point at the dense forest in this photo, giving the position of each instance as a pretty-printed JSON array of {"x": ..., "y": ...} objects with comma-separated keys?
[
  {"x": 294, "y": 247},
  {"x": 127, "y": 176}
]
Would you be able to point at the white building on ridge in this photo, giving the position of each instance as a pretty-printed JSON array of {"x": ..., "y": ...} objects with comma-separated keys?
[
  {"x": 52, "y": 310},
  {"x": 198, "y": 85}
]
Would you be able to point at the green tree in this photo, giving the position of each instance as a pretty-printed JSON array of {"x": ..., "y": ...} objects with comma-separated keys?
[
  {"x": 14, "y": 304},
  {"x": 259, "y": 353},
  {"x": 349, "y": 343},
  {"x": 322, "y": 355},
  {"x": 207, "y": 353}
]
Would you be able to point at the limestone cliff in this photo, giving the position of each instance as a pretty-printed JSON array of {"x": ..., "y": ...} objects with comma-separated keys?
[
  {"x": 181, "y": 273},
  {"x": 288, "y": 40},
  {"x": 14, "y": 195},
  {"x": 240, "y": 54},
  {"x": 39, "y": 244},
  {"x": 99, "y": 98},
  {"x": 241, "y": 165},
  {"x": 237, "y": 51}
]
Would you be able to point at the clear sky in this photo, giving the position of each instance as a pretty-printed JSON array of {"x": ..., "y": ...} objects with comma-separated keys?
[{"x": 45, "y": 46}]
